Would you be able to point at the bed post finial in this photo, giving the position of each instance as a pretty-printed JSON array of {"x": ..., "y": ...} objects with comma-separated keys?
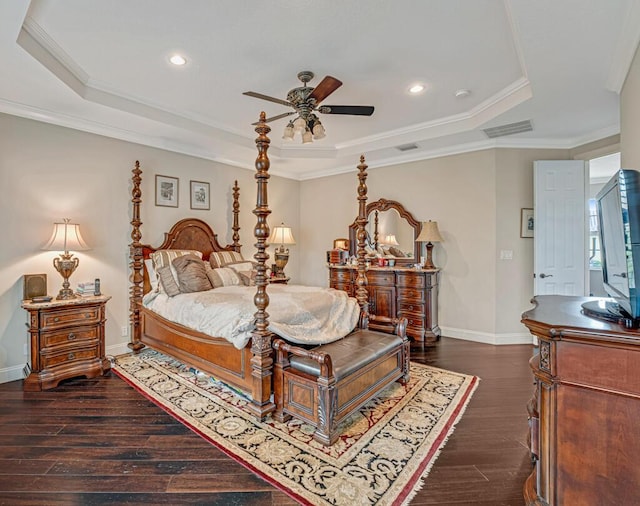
[
  {"x": 262, "y": 361},
  {"x": 236, "y": 211},
  {"x": 136, "y": 262},
  {"x": 361, "y": 221}
]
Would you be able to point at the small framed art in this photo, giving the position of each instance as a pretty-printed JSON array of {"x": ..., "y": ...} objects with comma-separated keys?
[
  {"x": 166, "y": 191},
  {"x": 199, "y": 195},
  {"x": 526, "y": 223}
]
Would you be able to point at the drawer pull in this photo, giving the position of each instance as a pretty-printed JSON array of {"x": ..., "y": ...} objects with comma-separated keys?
[
  {"x": 88, "y": 315},
  {"x": 56, "y": 319},
  {"x": 71, "y": 336},
  {"x": 71, "y": 356}
]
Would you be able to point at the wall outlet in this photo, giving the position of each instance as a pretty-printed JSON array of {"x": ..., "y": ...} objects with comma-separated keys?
[
  {"x": 506, "y": 254},
  {"x": 124, "y": 331}
]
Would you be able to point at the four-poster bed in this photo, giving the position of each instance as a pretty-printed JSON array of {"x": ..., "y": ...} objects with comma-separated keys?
[{"x": 250, "y": 368}]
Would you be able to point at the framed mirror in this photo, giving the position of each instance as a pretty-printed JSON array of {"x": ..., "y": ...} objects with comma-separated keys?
[{"x": 391, "y": 230}]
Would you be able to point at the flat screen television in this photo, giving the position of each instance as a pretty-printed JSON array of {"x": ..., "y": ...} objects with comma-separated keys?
[{"x": 618, "y": 205}]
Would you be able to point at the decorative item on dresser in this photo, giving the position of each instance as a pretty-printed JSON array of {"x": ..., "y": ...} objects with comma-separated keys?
[
  {"x": 67, "y": 340},
  {"x": 66, "y": 237},
  {"x": 584, "y": 430},
  {"x": 429, "y": 234},
  {"x": 396, "y": 292}
]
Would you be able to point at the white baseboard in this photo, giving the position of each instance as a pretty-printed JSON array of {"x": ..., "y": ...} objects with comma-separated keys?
[
  {"x": 487, "y": 338},
  {"x": 12, "y": 373},
  {"x": 117, "y": 349}
]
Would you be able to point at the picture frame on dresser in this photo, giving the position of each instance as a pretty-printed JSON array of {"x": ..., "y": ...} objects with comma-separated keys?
[
  {"x": 199, "y": 191},
  {"x": 167, "y": 191}
]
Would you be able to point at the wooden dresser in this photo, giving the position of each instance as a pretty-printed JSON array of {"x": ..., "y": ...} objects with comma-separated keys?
[
  {"x": 67, "y": 340},
  {"x": 585, "y": 412},
  {"x": 397, "y": 291}
]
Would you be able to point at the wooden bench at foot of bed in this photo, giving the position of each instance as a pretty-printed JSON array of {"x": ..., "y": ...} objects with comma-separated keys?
[{"x": 326, "y": 384}]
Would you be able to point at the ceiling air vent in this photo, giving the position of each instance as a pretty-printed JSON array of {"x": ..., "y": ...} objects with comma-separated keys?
[
  {"x": 407, "y": 147},
  {"x": 510, "y": 129}
]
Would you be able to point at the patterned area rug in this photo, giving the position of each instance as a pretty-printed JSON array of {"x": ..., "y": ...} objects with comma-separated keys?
[{"x": 384, "y": 453}]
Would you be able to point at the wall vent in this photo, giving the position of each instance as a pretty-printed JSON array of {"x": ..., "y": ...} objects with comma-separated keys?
[
  {"x": 407, "y": 147},
  {"x": 510, "y": 129}
]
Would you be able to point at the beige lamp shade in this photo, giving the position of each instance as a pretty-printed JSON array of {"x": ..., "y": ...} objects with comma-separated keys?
[
  {"x": 281, "y": 235},
  {"x": 391, "y": 240},
  {"x": 66, "y": 237},
  {"x": 429, "y": 232}
]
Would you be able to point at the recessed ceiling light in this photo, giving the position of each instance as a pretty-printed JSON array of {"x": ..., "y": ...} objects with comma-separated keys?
[
  {"x": 177, "y": 59},
  {"x": 416, "y": 88},
  {"x": 461, "y": 93}
]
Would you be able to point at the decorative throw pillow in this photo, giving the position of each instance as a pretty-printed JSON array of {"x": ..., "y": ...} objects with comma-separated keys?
[
  {"x": 164, "y": 257},
  {"x": 192, "y": 275},
  {"x": 224, "y": 258},
  {"x": 151, "y": 272},
  {"x": 223, "y": 276},
  {"x": 168, "y": 283},
  {"x": 396, "y": 252},
  {"x": 246, "y": 271}
]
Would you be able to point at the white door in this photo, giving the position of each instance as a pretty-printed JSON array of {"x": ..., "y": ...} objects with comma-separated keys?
[{"x": 560, "y": 237}]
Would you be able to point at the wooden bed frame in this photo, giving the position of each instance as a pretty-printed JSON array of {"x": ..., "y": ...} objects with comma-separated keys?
[{"x": 251, "y": 369}]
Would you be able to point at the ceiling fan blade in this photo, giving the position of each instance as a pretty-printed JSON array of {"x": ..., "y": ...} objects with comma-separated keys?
[
  {"x": 267, "y": 97},
  {"x": 358, "y": 110},
  {"x": 326, "y": 87},
  {"x": 283, "y": 115}
]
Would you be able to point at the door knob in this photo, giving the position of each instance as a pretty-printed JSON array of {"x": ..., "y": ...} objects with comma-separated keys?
[{"x": 543, "y": 275}]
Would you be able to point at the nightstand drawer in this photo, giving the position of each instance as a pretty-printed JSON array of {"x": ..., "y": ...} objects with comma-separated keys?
[
  {"x": 72, "y": 316},
  {"x": 69, "y": 356},
  {"x": 340, "y": 275},
  {"x": 74, "y": 335}
]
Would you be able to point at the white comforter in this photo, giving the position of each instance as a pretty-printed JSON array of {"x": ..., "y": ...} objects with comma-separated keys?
[{"x": 300, "y": 314}]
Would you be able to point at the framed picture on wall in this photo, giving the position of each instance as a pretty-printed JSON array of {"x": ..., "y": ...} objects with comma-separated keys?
[
  {"x": 526, "y": 223},
  {"x": 166, "y": 191},
  {"x": 199, "y": 195}
]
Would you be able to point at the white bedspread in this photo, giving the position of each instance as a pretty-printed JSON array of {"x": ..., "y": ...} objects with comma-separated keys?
[{"x": 299, "y": 314}]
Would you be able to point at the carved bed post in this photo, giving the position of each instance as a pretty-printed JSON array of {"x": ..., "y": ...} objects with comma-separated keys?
[
  {"x": 262, "y": 360},
  {"x": 236, "y": 211},
  {"x": 361, "y": 280},
  {"x": 137, "y": 262}
]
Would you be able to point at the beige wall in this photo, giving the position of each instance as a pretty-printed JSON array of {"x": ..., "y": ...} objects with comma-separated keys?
[
  {"x": 476, "y": 199},
  {"x": 629, "y": 114},
  {"x": 48, "y": 173}
]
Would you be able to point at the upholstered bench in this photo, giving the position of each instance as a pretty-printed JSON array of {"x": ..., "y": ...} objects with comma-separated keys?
[{"x": 324, "y": 385}]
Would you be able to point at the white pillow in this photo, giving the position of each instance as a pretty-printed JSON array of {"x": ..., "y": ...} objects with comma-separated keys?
[
  {"x": 223, "y": 276},
  {"x": 151, "y": 272}
]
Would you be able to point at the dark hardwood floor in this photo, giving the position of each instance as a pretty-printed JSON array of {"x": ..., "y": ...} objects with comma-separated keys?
[{"x": 100, "y": 442}]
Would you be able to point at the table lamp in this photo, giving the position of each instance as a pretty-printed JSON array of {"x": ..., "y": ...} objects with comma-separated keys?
[
  {"x": 429, "y": 234},
  {"x": 281, "y": 235},
  {"x": 65, "y": 237}
]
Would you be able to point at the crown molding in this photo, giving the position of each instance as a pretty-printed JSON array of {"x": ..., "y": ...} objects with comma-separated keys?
[{"x": 626, "y": 48}]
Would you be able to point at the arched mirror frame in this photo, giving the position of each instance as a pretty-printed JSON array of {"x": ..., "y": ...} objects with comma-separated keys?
[{"x": 385, "y": 205}]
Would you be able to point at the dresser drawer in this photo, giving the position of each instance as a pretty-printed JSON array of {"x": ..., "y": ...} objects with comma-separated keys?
[
  {"x": 410, "y": 295},
  {"x": 385, "y": 278},
  {"x": 408, "y": 306},
  {"x": 73, "y": 316},
  {"x": 345, "y": 287},
  {"x": 340, "y": 275},
  {"x": 75, "y": 335},
  {"x": 58, "y": 359},
  {"x": 411, "y": 280}
]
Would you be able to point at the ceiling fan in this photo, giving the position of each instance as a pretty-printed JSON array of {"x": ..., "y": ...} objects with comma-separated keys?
[{"x": 305, "y": 101}]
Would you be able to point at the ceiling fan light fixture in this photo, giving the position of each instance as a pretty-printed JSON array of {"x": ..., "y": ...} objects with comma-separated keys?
[
  {"x": 288, "y": 132},
  {"x": 318, "y": 131},
  {"x": 306, "y": 136},
  {"x": 299, "y": 124}
]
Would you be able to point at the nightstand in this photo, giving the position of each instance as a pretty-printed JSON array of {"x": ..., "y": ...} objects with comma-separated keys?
[
  {"x": 67, "y": 340},
  {"x": 282, "y": 281}
]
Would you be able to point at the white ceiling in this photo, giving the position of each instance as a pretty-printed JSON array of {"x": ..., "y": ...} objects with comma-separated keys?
[{"x": 102, "y": 66}]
